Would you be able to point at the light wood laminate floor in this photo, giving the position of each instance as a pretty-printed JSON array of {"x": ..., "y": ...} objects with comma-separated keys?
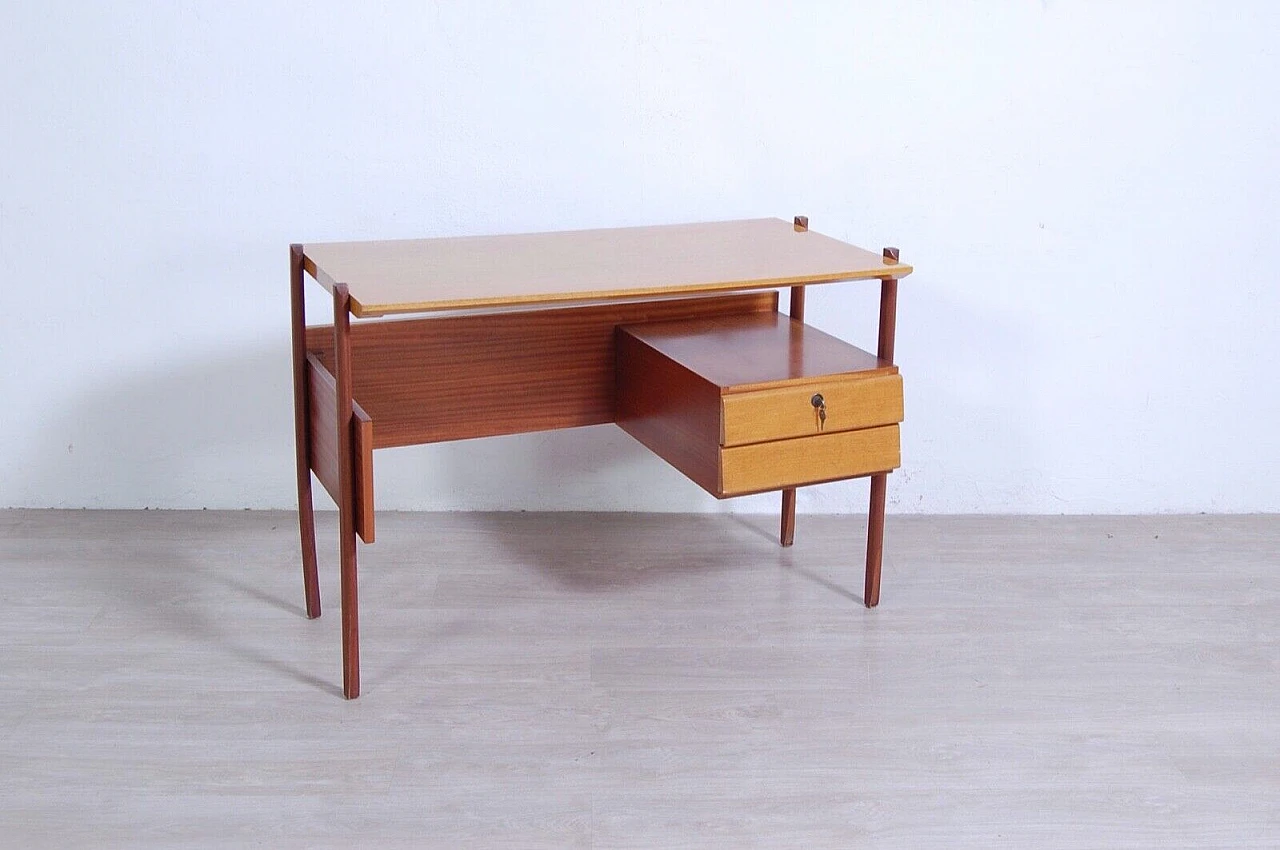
[{"x": 577, "y": 680}]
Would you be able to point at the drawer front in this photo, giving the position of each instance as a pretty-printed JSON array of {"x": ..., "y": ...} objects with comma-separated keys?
[
  {"x": 808, "y": 460},
  {"x": 787, "y": 412}
]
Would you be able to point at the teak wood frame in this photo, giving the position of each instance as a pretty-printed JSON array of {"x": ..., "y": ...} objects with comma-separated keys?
[{"x": 422, "y": 380}]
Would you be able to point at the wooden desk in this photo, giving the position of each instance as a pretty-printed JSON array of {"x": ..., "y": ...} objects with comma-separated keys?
[{"x": 672, "y": 332}]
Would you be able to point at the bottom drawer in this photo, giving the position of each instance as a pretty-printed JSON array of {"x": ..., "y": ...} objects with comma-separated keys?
[{"x": 808, "y": 460}]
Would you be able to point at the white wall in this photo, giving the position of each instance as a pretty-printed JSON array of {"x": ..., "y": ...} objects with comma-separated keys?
[{"x": 1089, "y": 192}]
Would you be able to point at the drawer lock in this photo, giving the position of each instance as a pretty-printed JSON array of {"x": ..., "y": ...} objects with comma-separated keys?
[{"x": 819, "y": 409}]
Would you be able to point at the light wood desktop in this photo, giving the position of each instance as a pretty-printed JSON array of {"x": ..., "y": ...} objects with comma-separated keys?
[{"x": 671, "y": 332}]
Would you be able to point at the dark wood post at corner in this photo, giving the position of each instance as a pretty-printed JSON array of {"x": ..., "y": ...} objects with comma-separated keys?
[
  {"x": 346, "y": 493},
  {"x": 302, "y": 434},
  {"x": 787, "y": 534},
  {"x": 880, "y": 481}
]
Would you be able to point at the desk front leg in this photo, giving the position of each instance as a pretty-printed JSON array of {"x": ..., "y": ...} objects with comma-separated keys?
[
  {"x": 880, "y": 481},
  {"x": 787, "y": 534},
  {"x": 346, "y": 492},
  {"x": 302, "y": 434}
]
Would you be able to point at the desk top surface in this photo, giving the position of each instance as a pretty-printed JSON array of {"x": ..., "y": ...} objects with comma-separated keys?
[{"x": 415, "y": 275}]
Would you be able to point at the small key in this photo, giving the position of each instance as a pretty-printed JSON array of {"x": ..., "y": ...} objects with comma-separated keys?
[{"x": 820, "y": 408}]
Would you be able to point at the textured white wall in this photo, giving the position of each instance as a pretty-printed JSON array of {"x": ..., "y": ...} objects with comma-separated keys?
[{"x": 1089, "y": 192}]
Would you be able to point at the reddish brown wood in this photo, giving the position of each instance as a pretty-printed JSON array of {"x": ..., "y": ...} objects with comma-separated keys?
[
  {"x": 671, "y": 398},
  {"x": 888, "y": 318},
  {"x": 301, "y": 434},
  {"x": 879, "y": 483},
  {"x": 346, "y": 494},
  {"x": 787, "y": 536},
  {"x": 458, "y": 377},
  {"x": 436, "y": 379},
  {"x": 670, "y": 410},
  {"x": 758, "y": 351},
  {"x": 323, "y": 456},
  {"x": 875, "y": 540},
  {"x": 787, "y": 533}
]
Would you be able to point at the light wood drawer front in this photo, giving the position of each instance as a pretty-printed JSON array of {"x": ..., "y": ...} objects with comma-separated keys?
[
  {"x": 808, "y": 460},
  {"x": 786, "y": 412}
]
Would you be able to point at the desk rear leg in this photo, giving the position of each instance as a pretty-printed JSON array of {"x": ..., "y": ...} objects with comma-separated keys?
[
  {"x": 346, "y": 492},
  {"x": 880, "y": 482},
  {"x": 787, "y": 535},
  {"x": 302, "y": 434}
]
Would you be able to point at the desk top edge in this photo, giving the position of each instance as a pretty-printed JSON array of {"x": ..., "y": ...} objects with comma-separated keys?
[{"x": 379, "y": 274}]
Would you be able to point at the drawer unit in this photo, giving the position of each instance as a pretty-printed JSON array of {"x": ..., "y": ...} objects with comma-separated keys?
[{"x": 757, "y": 402}]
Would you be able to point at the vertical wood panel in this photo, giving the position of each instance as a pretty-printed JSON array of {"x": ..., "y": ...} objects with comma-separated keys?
[
  {"x": 669, "y": 409},
  {"x": 323, "y": 458}
]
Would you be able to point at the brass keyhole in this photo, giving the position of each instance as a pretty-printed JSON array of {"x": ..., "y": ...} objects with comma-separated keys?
[{"x": 819, "y": 409}]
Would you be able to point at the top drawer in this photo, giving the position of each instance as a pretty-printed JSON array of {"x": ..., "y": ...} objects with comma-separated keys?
[{"x": 850, "y": 402}]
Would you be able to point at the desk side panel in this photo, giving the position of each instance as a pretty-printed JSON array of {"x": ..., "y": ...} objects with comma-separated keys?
[
  {"x": 672, "y": 411},
  {"x": 434, "y": 379},
  {"x": 323, "y": 421}
]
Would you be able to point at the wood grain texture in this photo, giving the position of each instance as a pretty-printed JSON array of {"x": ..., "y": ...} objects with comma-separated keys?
[
  {"x": 671, "y": 398},
  {"x": 851, "y": 402},
  {"x": 670, "y": 410},
  {"x": 880, "y": 482},
  {"x": 639, "y": 680},
  {"x": 457, "y": 377},
  {"x": 743, "y": 353},
  {"x": 302, "y": 432},
  {"x": 323, "y": 460},
  {"x": 787, "y": 524},
  {"x": 761, "y": 467},
  {"x": 787, "y": 527},
  {"x": 417, "y": 275},
  {"x": 875, "y": 541},
  {"x": 345, "y": 420},
  {"x": 888, "y": 320}
]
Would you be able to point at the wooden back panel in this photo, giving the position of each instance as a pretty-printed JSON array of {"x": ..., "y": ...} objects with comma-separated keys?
[{"x": 458, "y": 377}]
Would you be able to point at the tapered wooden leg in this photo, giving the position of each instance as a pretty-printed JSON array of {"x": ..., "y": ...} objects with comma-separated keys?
[
  {"x": 302, "y": 435},
  {"x": 787, "y": 535},
  {"x": 346, "y": 488},
  {"x": 879, "y": 482},
  {"x": 875, "y": 540}
]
